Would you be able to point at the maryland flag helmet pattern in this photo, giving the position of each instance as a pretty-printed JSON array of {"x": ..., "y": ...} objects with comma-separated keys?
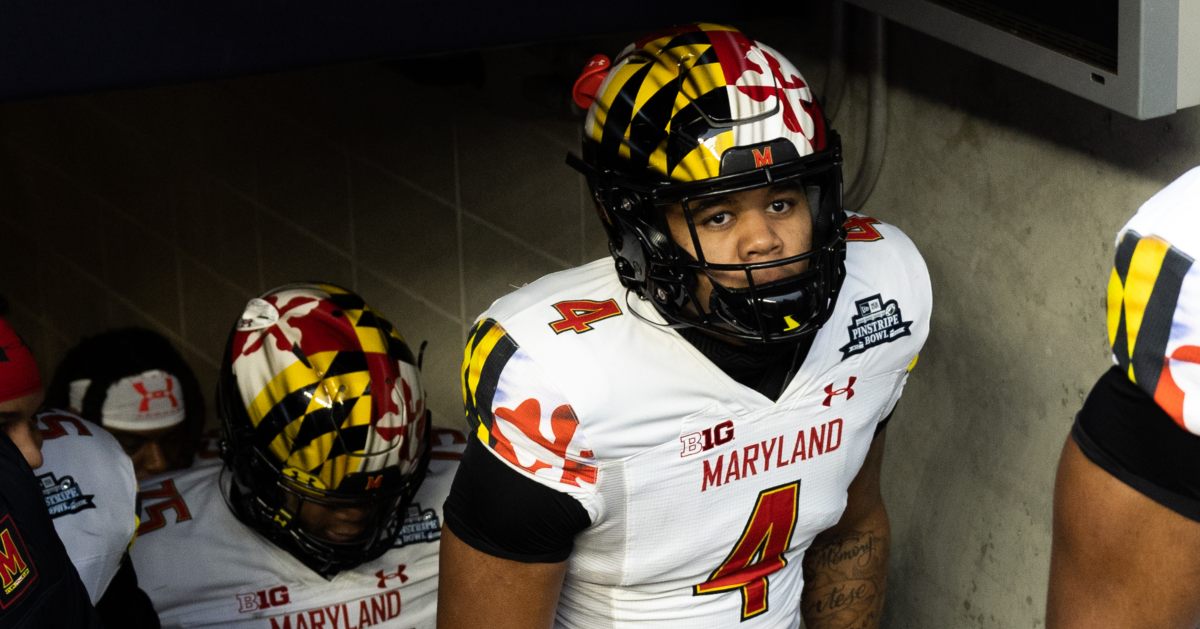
[
  {"x": 1154, "y": 300},
  {"x": 674, "y": 103},
  {"x": 321, "y": 401},
  {"x": 702, "y": 111}
]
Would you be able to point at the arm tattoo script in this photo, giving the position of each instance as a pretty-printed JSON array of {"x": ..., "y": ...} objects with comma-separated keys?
[{"x": 845, "y": 578}]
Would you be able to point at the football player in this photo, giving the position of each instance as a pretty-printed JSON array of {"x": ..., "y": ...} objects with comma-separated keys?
[
  {"x": 1127, "y": 497},
  {"x": 88, "y": 484},
  {"x": 136, "y": 385},
  {"x": 327, "y": 510},
  {"x": 690, "y": 433},
  {"x": 39, "y": 586}
]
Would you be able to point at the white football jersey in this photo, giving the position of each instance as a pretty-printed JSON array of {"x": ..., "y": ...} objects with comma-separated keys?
[
  {"x": 1154, "y": 300},
  {"x": 202, "y": 567},
  {"x": 90, "y": 489},
  {"x": 703, "y": 494}
]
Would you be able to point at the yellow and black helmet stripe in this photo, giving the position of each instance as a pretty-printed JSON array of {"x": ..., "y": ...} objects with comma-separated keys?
[{"x": 671, "y": 79}]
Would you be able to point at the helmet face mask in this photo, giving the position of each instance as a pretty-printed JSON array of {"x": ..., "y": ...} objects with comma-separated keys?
[
  {"x": 325, "y": 428},
  {"x": 699, "y": 112}
]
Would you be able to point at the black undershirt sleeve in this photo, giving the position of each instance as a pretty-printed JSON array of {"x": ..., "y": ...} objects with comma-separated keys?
[
  {"x": 1122, "y": 430},
  {"x": 124, "y": 604},
  {"x": 498, "y": 511}
]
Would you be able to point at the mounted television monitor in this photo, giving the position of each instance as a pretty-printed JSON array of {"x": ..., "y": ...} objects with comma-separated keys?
[{"x": 1138, "y": 57}]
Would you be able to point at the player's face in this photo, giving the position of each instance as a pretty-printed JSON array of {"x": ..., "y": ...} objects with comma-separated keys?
[
  {"x": 758, "y": 225},
  {"x": 16, "y": 418},
  {"x": 156, "y": 451},
  {"x": 341, "y": 525}
]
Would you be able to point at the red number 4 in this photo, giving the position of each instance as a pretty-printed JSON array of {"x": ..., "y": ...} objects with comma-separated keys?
[
  {"x": 758, "y": 553},
  {"x": 579, "y": 314},
  {"x": 861, "y": 229}
]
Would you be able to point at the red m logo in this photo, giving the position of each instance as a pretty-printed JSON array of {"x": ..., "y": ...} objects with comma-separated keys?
[
  {"x": 763, "y": 157},
  {"x": 12, "y": 564}
]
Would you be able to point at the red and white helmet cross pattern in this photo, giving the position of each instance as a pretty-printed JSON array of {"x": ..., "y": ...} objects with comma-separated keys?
[
  {"x": 768, "y": 83},
  {"x": 329, "y": 382}
]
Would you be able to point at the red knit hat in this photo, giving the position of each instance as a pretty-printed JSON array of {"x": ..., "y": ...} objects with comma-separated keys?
[{"x": 18, "y": 371}]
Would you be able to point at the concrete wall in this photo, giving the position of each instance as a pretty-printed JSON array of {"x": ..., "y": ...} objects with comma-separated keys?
[
  {"x": 1014, "y": 192},
  {"x": 169, "y": 207}
]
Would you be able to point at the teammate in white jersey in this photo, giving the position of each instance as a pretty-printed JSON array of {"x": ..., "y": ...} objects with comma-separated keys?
[
  {"x": 327, "y": 511},
  {"x": 694, "y": 437},
  {"x": 39, "y": 586},
  {"x": 136, "y": 385},
  {"x": 1127, "y": 497},
  {"x": 88, "y": 484}
]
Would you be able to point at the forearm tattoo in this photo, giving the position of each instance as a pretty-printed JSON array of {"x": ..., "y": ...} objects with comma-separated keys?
[{"x": 845, "y": 580}]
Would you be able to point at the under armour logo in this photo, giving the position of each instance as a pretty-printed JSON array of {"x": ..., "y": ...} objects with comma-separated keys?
[
  {"x": 167, "y": 393},
  {"x": 830, "y": 392},
  {"x": 399, "y": 573}
]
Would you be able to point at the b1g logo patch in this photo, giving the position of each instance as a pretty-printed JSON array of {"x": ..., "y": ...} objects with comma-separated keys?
[
  {"x": 263, "y": 599},
  {"x": 17, "y": 572},
  {"x": 876, "y": 323},
  {"x": 63, "y": 496},
  {"x": 420, "y": 526}
]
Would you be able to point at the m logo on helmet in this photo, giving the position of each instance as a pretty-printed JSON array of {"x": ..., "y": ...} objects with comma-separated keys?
[
  {"x": 375, "y": 482},
  {"x": 763, "y": 157}
]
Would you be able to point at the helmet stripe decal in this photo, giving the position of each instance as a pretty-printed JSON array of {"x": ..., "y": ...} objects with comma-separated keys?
[
  {"x": 664, "y": 81},
  {"x": 310, "y": 457},
  {"x": 620, "y": 111},
  {"x": 705, "y": 156},
  {"x": 665, "y": 90}
]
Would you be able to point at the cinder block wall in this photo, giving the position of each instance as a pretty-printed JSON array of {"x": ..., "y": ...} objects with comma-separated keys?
[{"x": 170, "y": 206}]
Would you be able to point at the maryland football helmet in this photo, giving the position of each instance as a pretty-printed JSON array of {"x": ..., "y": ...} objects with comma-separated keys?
[
  {"x": 321, "y": 402},
  {"x": 696, "y": 112}
]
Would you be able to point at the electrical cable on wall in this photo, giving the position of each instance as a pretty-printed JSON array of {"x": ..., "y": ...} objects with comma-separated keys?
[
  {"x": 859, "y": 189},
  {"x": 835, "y": 76}
]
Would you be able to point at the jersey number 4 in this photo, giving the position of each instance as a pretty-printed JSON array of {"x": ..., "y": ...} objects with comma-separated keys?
[
  {"x": 578, "y": 315},
  {"x": 759, "y": 551}
]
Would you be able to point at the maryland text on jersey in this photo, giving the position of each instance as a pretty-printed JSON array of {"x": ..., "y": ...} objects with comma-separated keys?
[
  {"x": 702, "y": 493},
  {"x": 246, "y": 581}
]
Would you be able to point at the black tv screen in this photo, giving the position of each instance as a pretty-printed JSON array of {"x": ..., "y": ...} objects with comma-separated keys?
[{"x": 1084, "y": 30}]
